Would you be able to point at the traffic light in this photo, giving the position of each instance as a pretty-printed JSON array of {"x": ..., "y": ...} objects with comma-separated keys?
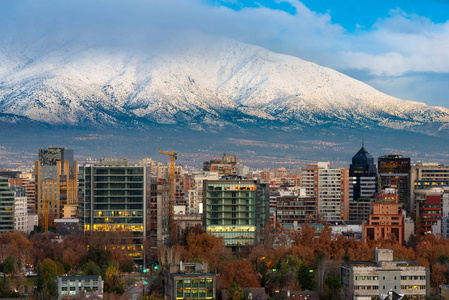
[
  {"x": 156, "y": 267},
  {"x": 144, "y": 271}
]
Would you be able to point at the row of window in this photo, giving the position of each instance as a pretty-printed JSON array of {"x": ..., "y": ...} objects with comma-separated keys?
[{"x": 383, "y": 277}]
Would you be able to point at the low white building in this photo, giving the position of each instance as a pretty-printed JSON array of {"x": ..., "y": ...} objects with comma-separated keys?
[
  {"x": 364, "y": 280},
  {"x": 72, "y": 286}
]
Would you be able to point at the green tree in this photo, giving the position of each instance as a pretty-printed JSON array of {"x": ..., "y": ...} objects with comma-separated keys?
[
  {"x": 235, "y": 292},
  {"x": 47, "y": 272},
  {"x": 305, "y": 278},
  {"x": 91, "y": 268},
  {"x": 99, "y": 255},
  {"x": 113, "y": 282},
  {"x": 332, "y": 287},
  {"x": 11, "y": 265},
  {"x": 127, "y": 265}
]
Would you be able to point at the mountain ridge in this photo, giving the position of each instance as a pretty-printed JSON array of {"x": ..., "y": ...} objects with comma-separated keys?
[{"x": 211, "y": 85}]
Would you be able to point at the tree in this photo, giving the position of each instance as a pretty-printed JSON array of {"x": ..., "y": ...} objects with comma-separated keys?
[
  {"x": 11, "y": 266},
  {"x": 91, "y": 268},
  {"x": 237, "y": 271},
  {"x": 305, "y": 278},
  {"x": 235, "y": 292},
  {"x": 99, "y": 255},
  {"x": 438, "y": 275},
  {"x": 113, "y": 282},
  {"x": 127, "y": 265},
  {"x": 205, "y": 246},
  {"x": 332, "y": 288},
  {"x": 46, "y": 280}
]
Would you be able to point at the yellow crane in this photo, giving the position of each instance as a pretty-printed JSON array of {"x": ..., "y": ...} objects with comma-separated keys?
[
  {"x": 173, "y": 156},
  {"x": 50, "y": 185}
]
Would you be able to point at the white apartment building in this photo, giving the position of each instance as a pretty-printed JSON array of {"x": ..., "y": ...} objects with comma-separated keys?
[
  {"x": 195, "y": 195},
  {"x": 365, "y": 280},
  {"x": 20, "y": 214},
  {"x": 330, "y": 187}
]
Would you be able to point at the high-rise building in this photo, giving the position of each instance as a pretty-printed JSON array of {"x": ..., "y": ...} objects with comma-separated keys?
[
  {"x": 158, "y": 213},
  {"x": 427, "y": 179},
  {"x": 385, "y": 221},
  {"x": 429, "y": 212},
  {"x": 7, "y": 206},
  {"x": 236, "y": 210},
  {"x": 295, "y": 208},
  {"x": 331, "y": 189},
  {"x": 20, "y": 214},
  {"x": 115, "y": 200},
  {"x": 394, "y": 172},
  {"x": 362, "y": 176},
  {"x": 56, "y": 181}
]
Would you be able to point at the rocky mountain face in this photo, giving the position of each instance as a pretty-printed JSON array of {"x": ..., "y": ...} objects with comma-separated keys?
[{"x": 205, "y": 86}]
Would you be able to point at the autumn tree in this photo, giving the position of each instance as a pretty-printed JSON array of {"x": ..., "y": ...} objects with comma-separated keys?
[
  {"x": 438, "y": 275},
  {"x": 239, "y": 271},
  {"x": 207, "y": 247}
]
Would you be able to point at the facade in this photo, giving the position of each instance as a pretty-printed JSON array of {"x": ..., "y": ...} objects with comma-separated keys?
[
  {"x": 425, "y": 178},
  {"x": 394, "y": 172},
  {"x": 360, "y": 210},
  {"x": 225, "y": 166},
  {"x": 362, "y": 176},
  {"x": 429, "y": 212},
  {"x": 184, "y": 222},
  {"x": 72, "y": 286},
  {"x": 32, "y": 221},
  {"x": 115, "y": 196},
  {"x": 293, "y": 207},
  {"x": 195, "y": 193},
  {"x": 365, "y": 280},
  {"x": 20, "y": 214},
  {"x": 386, "y": 220},
  {"x": 158, "y": 212},
  {"x": 56, "y": 181},
  {"x": 236, "y": 210},
  {"x": 331, "y": 189},
  {"x": 7, "y": 206},
  {"x": 189, "y": 281}
]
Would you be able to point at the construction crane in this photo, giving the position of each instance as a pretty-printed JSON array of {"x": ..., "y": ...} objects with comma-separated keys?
[
  {"x": 47, "y": 199},
  {"x": 173, "y": 157}
]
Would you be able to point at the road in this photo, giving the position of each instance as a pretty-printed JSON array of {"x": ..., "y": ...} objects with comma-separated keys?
[{"x": 141, "y": 288}]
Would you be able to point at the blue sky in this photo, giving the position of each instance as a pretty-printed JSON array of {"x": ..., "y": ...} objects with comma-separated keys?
[{"x": 399, "y": 47}]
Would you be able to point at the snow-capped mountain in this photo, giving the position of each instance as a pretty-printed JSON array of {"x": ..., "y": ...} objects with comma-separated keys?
[{"x": 214, "y": 84}]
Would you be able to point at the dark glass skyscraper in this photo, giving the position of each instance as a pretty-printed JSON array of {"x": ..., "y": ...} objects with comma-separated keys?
[{"x": 363, "y": 176}]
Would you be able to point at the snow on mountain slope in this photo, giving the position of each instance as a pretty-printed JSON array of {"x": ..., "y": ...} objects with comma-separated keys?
[{"x": 220, "y": 83}]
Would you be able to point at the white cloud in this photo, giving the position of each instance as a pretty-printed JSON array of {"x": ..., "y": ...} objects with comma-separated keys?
[{"x": 394, "y": 46}]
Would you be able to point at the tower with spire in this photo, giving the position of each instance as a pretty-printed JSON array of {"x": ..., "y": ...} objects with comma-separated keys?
[{"x": 362, "y": 176}]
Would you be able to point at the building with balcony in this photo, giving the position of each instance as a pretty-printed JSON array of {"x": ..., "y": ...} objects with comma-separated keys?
[
  {"x": 295, "y": 207},
  {"x": 236, "y": 210},
  {"x": 331, "y": 189}
]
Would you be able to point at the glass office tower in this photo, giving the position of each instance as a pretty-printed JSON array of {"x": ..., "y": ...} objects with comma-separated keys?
[{"x": 236, "y": 210}]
